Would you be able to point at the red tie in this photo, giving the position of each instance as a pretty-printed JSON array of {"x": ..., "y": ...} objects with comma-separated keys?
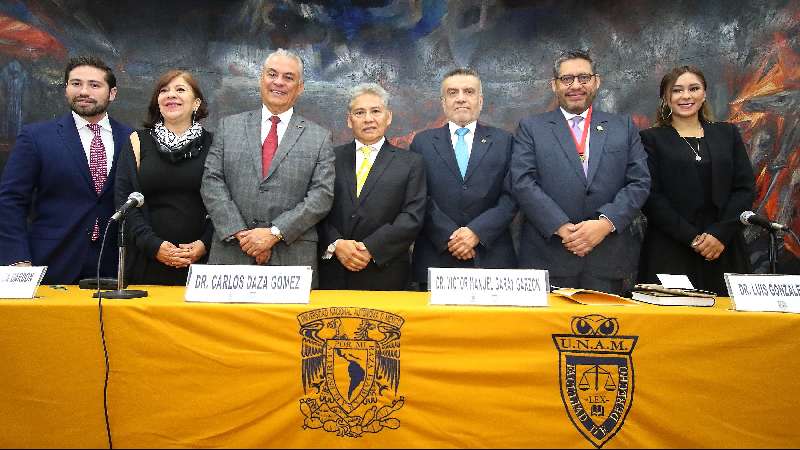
[
  {"x": 269, "y": 146},
  {"x": 97, "y": 167}
]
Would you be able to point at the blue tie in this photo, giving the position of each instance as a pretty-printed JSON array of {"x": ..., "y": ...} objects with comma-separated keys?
[{"x": 462, "y": 154}]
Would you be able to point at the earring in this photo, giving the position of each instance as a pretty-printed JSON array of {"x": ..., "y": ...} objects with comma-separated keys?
[
  {"x": 665, "y": 106},
  {"x": 194, "y": 115}
]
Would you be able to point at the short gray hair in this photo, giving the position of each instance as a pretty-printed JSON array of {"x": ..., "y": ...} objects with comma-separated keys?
[
  {"x": 286, "y": 54},
  {"x": 464, "y": 71},
  {"x": 571, "y": 54},
  {"x": 369, "y": 88}
]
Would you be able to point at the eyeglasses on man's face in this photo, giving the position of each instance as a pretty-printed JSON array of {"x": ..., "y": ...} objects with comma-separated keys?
[{"x": 583, "y": 78}]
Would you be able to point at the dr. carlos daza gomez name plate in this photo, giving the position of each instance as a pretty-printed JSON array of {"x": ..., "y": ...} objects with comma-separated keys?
[
  {"x": 248, "y": 284},
  {"x": 489, "y": 287}
]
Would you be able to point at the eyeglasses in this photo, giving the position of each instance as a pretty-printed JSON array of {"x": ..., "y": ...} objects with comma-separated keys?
[
  {"x": 583, "y": 78},
  {"x": 362, "y": 113}
]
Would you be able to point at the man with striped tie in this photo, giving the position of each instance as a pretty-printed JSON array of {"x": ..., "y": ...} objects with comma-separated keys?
[
  {"x": 60, "y": 174},
  {"x": 378, "y": 202}
]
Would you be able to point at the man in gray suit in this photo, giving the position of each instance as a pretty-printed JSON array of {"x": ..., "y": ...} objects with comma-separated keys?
[
  {"x": 269, "y": 176},
  {"x": 580, "y": 176}
]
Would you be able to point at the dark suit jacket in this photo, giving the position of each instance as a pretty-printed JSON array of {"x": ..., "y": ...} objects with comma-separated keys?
[
  {"x": 481, "y": 201},
  {"x": 675, "y": 198},
  {"x": 386, "y": 217},
  {"x": 552, "y": 190},
  {"x": 48, "y": 160}
]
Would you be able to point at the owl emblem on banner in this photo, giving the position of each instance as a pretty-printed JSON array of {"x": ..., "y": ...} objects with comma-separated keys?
[
  {"x": 350, "y": 370},
  {"x": 596, "y": 376}
]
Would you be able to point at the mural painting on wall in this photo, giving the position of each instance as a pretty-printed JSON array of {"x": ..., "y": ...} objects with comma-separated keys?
[{"x": 748, "y": 50}]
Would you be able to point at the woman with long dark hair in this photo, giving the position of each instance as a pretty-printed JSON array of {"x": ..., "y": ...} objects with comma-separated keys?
[{"x": 702, "y": 180}]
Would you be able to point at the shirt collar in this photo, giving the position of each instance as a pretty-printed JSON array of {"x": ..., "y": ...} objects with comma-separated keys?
[
  {"x": 80, "y": 122},
  {"x": 471, "y": 126},
  {"x": 375, "y": 147},
  {"x": 285, "y": 116},
  {"x": 568, "y": 115}
]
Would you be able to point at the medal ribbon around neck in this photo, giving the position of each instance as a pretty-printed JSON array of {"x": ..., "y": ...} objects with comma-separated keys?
[{"x": 581, "y": 146}]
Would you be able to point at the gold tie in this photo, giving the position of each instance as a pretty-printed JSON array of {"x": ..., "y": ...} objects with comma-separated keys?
[{"x": 363, "y": 171}]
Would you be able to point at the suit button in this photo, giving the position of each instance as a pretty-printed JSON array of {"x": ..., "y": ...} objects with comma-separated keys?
[
  {"x": 464, "y": 187},
  {"x": 353, "y": 216}
]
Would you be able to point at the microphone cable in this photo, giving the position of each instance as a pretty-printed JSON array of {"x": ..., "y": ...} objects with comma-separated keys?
[{"x": 103, "y": 339}]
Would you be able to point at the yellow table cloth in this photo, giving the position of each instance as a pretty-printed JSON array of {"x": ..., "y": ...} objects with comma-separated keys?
[{"x": 385, "y": 369}]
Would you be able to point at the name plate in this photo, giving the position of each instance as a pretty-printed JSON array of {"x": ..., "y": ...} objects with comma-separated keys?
[
  {"x": 248, "y": 284},
  {"x": 20, "y": 282},
  {"x": 490, "y": 287},
  {"x": 779, "y": 293}
]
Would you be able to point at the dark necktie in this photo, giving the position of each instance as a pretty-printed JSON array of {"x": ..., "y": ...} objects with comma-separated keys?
[
  {"x": 97, "y": 167},
  {"x": 269, "y": 146}
]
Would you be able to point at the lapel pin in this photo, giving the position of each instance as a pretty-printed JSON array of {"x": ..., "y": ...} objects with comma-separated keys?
[
  {"x": 483, "y": 141},
  {"x": 599, "y": 128}
]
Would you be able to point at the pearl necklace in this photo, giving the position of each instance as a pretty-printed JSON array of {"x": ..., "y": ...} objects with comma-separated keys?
[{"x": 697, "y": 156}]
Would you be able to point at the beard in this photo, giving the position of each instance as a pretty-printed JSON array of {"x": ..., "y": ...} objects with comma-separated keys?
[
  {"x": 90, "y": 110},
  {"x": 575, "y": 108}
]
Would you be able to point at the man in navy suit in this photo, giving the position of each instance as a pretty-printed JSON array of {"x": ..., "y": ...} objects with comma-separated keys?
[
  {"x": 60, "y": 174},
  {"x": 470, "y": 205},
  {"x": 378, "y": 203},
  {"x": 580, "y": 176}
]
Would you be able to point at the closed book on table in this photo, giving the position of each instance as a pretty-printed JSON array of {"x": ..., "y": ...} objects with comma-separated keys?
[{"x": 659, "y": 295}]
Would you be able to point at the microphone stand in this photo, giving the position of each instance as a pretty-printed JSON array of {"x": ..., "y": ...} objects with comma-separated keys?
[
  {"x": 121, "y": 292},
  {"x": 773, "y": 251}
]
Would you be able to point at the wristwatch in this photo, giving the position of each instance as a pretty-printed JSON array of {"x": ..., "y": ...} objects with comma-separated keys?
[
  {"x": 332, "y": 247},
  {"x": 276, "y": 232}
]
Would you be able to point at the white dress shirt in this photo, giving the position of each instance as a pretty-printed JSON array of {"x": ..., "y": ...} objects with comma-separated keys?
[
  {"x": 266, "y": 124},
  {"x": 86, "y": 135},
  {"x": 468, "y": 138}
]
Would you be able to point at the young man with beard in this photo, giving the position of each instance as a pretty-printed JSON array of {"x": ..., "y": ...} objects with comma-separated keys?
[
  {"x": 580, "y": 176},
  {"x": 60, "y": 173}
]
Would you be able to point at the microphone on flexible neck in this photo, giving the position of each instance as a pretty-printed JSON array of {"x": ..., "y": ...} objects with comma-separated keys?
[
  {"x": 135, "y": 200},
  {"x": 751, "y": 218}
]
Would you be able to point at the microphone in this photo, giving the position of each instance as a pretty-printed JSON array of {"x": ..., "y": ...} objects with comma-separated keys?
[
  {"x": 135, "y": 200},
  {"x": 751, "y": 218}
]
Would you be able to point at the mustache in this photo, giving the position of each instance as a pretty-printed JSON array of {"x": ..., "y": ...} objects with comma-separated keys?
[{"x": 83, "y": 98}]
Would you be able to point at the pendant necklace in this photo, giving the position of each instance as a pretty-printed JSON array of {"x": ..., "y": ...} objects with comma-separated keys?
[{"x": 697, "y": 156}]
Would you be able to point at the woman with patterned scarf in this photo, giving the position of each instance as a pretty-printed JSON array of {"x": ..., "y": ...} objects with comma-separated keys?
[{"x": 164, "y": 162}]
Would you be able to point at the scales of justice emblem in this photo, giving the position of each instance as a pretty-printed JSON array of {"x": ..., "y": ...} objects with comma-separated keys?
[
  {"x": 351, "y": 370},
  {"x": 596, "y": 376}
]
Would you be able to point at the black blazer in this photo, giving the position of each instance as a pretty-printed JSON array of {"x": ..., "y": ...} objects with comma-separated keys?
[
  {"x": 676, "y": 205},
  {"x": 386, "y": 217},
  {"x": 675, "y": 185}
]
